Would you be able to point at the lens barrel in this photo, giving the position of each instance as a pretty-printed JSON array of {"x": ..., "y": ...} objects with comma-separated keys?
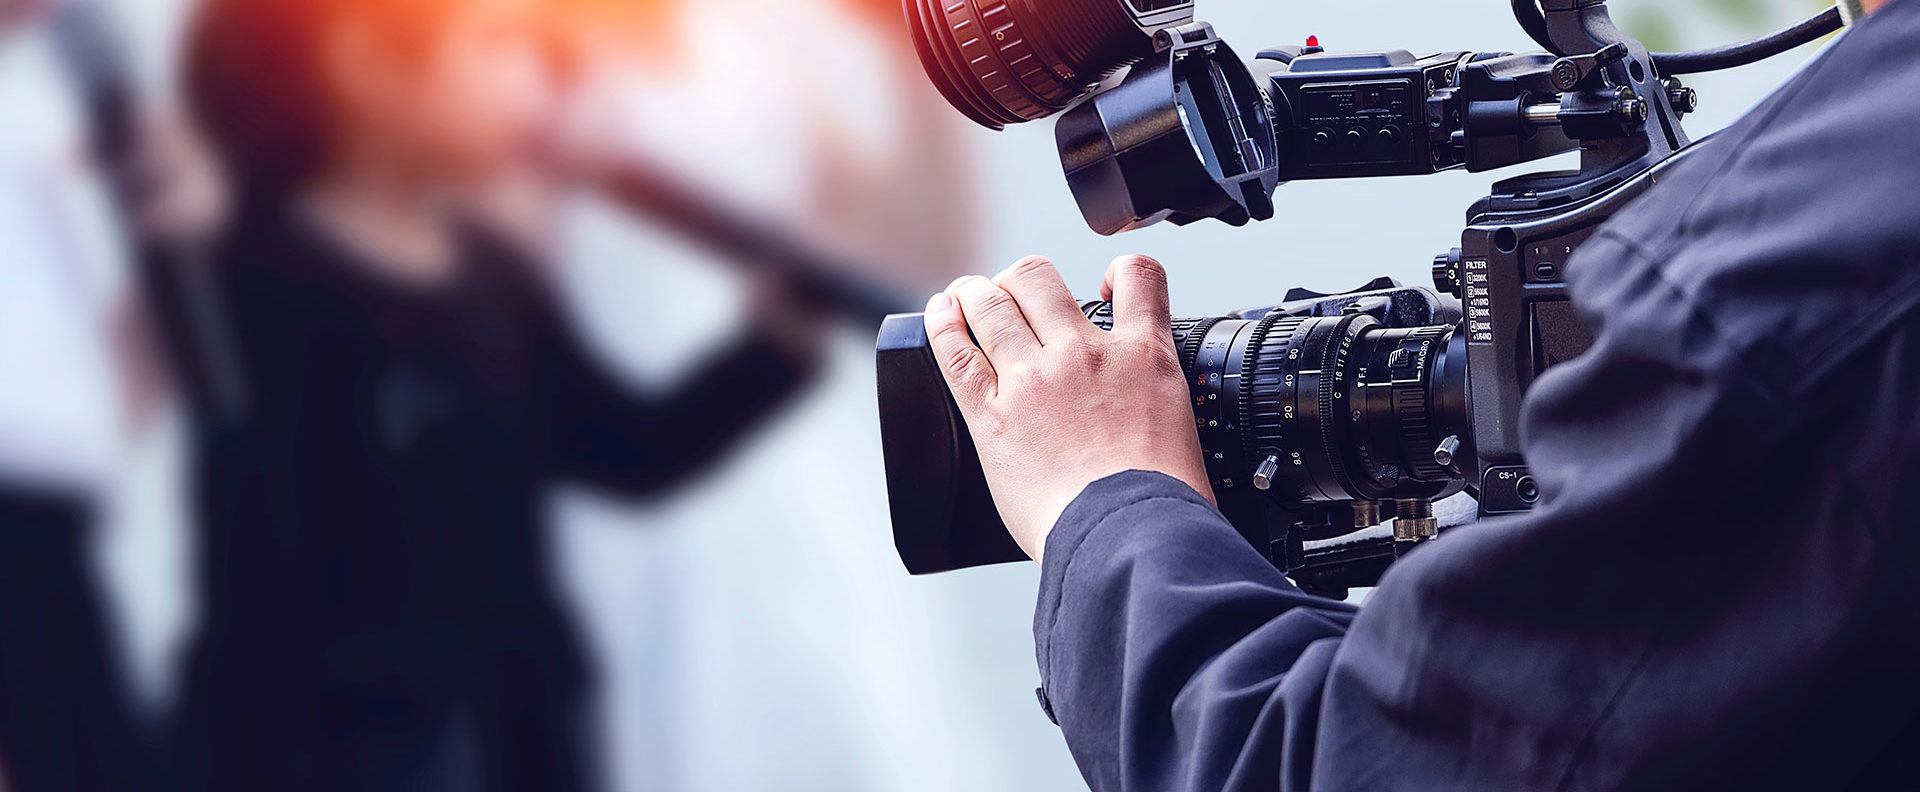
[
  {"x": 1002, "y": 62},
  {"x": 1350, "y": 409}
]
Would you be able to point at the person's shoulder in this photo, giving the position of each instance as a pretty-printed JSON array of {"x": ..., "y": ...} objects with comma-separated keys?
[
  {"x": 269, "y": 247},
  {"x": 1830, "y": 154},
  {"x": 1794, "y": 238}
]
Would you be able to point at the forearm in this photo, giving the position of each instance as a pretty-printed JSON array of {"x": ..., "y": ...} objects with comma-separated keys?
[
  {"x": 1173, "y": 656},
  {"x": 629, "y": 442},
  {"x": 749, "y": 378}
]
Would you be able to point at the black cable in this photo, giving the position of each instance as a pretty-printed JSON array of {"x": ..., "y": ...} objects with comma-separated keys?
[
  {"x": 1527, "y": 13},
  {"x": 1732, "y": 55},
  {"x": 1534, "y": 22}
]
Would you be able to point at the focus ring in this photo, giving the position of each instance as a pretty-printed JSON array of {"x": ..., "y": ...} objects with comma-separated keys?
[
  {"x": 1043, "y": 79},
  {"x": 933, "y": 38},
  {"x": 1001, "y": 62},
  {"x": 973, "y": 29}
]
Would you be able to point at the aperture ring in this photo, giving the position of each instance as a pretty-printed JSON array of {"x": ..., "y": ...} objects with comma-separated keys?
[
  {"x": 1190, "y": 342},
  {"x": 1331, "y": 349}
]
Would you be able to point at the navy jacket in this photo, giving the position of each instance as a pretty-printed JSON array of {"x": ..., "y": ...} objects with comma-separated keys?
[{"x": 1719, "y": 589}]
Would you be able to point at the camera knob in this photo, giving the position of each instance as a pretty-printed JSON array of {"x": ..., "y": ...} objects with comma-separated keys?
[
  {"x": 1444, "y": 453},
  {"x": 1446, "y": 272},
  {"x": 1263, "y": 475}
]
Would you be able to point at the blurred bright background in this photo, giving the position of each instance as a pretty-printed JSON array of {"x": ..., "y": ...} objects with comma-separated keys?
[{"x": 755, "y": 631}]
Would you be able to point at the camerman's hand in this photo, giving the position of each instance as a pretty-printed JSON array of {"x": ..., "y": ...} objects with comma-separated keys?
[{"x": 1056, "y": 404}]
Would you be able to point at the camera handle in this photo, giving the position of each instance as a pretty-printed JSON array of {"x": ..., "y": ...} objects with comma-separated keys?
[
  {"x": 1603, "y": 73},
  {"x": 1583, "y": 34}
]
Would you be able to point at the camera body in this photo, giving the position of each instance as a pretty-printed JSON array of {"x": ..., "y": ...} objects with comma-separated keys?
[{"x": 1331, "y": 424}]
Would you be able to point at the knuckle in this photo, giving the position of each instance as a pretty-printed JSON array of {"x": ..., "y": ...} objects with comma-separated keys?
[
  {"x": 1083, "y": 348},
  {"x": 1162, "y": 362},
  {"x": 992, "y": 422},
  {"x": 995, "y": 302},
  {"x": 965, "y": 364},
  {"x": 1030, "y": 266},
  {"x": 950, "y": 336},
  {"x": 1003, "y": 337},
  {"x": 1026, "y": 376}
]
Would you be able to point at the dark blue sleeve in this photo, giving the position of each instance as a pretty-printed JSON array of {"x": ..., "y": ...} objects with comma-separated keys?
[
  {"x": 1172, "y": 655},
  {"x": 1716, "y": 589}
]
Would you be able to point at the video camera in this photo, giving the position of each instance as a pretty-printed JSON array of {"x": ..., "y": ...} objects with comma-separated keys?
[{"x": 1330, "y": 424}]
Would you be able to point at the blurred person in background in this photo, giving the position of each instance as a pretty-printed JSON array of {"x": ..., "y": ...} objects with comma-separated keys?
[
  {"x": 377, "y": 603},
  {"x": 84, "y": 383}
]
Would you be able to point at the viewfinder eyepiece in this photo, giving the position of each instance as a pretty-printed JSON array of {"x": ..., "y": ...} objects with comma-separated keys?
[{"x": 1002, "y": 62}]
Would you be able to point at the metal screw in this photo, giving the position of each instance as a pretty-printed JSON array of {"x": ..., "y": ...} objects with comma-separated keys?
[
  {"x": 1632, "y": 109},
  {"x": 1566, "y": 74}
]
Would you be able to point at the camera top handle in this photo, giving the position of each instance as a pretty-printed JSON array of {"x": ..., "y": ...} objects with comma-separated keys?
[{"x": 1578, "y": 30}]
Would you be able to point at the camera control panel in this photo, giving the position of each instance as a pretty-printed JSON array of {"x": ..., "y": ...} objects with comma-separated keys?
[{"x": 1366, "y": 114}]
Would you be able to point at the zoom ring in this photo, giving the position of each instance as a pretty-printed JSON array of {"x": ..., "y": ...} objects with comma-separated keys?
[{"x": 1267, "y": 403}]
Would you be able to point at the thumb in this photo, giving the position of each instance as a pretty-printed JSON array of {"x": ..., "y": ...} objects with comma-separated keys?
[{"x": 1137, "y": 287}]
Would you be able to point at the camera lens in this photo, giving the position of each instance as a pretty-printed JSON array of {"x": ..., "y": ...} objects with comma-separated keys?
[
  {"x": 1006, "y": 61},
  {"x": 1351, "y": 410}
]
